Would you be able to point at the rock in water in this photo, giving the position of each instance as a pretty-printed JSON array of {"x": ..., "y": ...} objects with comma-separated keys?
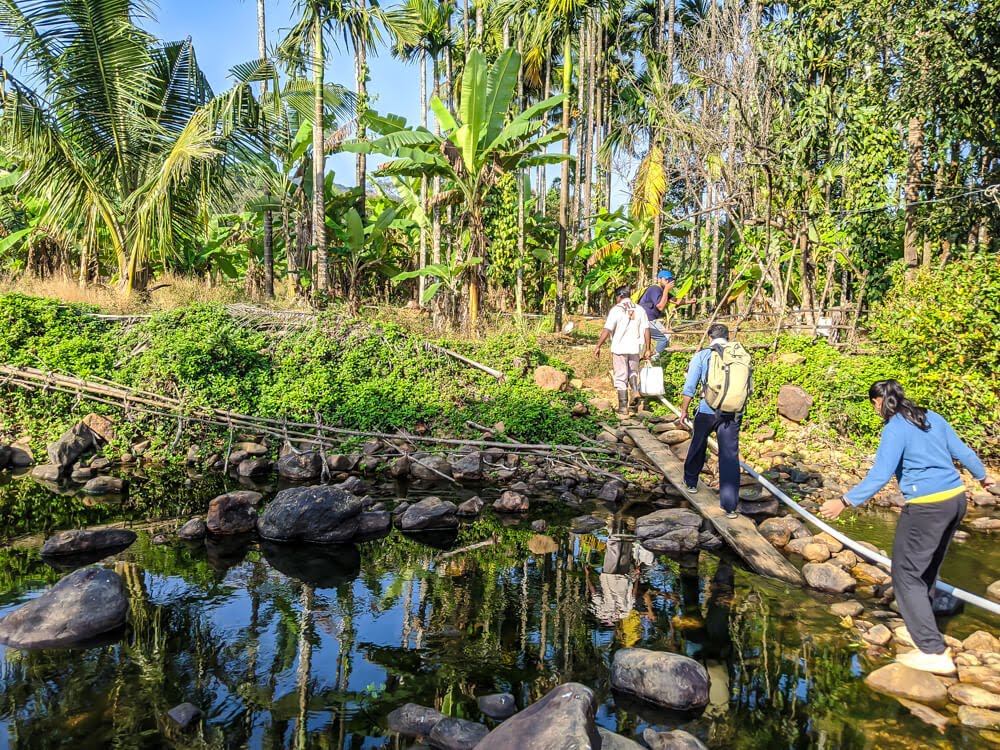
[
  {"x": 311, "y": 514},
  {"x": 301, "y": 467},
  {"x": 471, "y": 507},
  {"x": 901, "y": 681},
  {"x": 74, "y": 443},
  {"x": 676, "y": 542},
  {"x": 104, "y": 486},
  {"x": 828, "y": 577},
  {"x": 456, "y": 734},
  {"x": 612, "y": 741},
  {"x": 511, "y": 502},
  {"x": 660, "y": 677},
  {"x": 467, "y": 467},
  {"x": 192, "y": 530},
  {"x": 411, "y": 720},
  {"x": 675, "y": 740},
  {"x": 83, "y": 605},
  {"x": 77, "y": 542},
  {"x": 429, "y": 513},
  {"x": 660, "y": 522},
  {"x": 562, "y": 720},
  {"x": 498, "y": 706},
  {"x": 374, "y": 523},
  {"x": 233, "y": 513}
]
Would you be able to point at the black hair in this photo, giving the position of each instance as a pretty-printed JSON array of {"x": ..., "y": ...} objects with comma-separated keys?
[
  {"x": 718, "y": 331},
  {"x": 623, "y": 291},
  {"x": 894, "y": 401}
]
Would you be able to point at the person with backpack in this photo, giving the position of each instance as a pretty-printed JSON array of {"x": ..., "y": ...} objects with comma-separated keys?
[
  {"x": 919, "y": 448},
  {"x": 628, "y": 327},
  {"x": 724, "y": 371},
  {"x": 654, "y": 301}
]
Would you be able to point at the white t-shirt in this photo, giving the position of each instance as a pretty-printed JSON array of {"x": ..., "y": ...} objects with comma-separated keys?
[{"x": 627, "y": 323}]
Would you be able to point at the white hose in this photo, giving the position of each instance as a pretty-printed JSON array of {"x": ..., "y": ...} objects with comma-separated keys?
[{"x": 940, "y": 585}]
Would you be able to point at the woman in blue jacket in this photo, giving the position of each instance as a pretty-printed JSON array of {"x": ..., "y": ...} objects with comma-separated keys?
[{"x": 919, "y": 448}]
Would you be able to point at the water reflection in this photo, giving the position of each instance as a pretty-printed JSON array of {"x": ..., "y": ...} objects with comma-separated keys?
[{"x": 312, "y": 646}]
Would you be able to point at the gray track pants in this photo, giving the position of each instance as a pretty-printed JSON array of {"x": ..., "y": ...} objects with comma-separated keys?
[{"x": 922, "y": 538}]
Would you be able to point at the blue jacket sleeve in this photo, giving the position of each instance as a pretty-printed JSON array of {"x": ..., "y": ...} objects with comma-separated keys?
[
  {"x": 960, "y": 451},
  {"x": 693, "y": 375},
  {"x": 886, "y": 466}
]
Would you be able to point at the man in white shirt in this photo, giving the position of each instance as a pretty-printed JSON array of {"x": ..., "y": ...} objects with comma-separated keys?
[{"x": 628, "y": 327}]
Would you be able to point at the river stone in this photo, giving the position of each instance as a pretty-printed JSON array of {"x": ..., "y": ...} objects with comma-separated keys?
[
  {"x": 868, "y": 573},
  {"x": 660, "y": 677},
  {"x": 678, "y": 541},
  {"x": 467, "y": 467},
  {"x": 659, "y": 522},
  {"x": 612, "y": 491},
  {"x": 562, "y": 720},
  {"x": 794, "y": 403},
  {"x": 374, "y": 523},
  {"x": 20, "y": 455},
  {"x": 301, "y": 467},
  {"x": 511, "y": 502},
  {"x": 586, "y": 524},
  {"x": 399, "y": 468},
  {"x": 986, "y": 677},
  {"x": 835, "y": 545},
  {"x": 233, "y": 513},
  {"x": 708, "y": 539},
  {"x": 81, "y": 541},
  {"x": 985, "y": 524},
  {"x": 901, "y": 681},
  {"x": 815, "y": 552},
  {"x": 775, "y": 531},
  {"x": 612, "y": 741},
  {"x": 456, "y": 734},
  {"x": 497, "y": 706},
  {"x": 5, "y": 453},
  {"x": 251, "y": 448},
  {"x": 46, "y": 472},
  {"x": 339, "y": 462},
  {"x": 982, "y": 641},
  {"x": 758, "y": 509},
  {"x": 73, "y": 443},
  {"x": 430, "y": 513},
  {"x": 185, "y": 714},
  {"x": 673, "y": 437},
  {"x": 980, "y": 718},
  {"x": 104, "y": 486},
  {"x": 429, "y": 468},
  {"x": 675, "y": 740},
  {"x": 254, "y": 467},
  {"x": 471, "y": 507},
  {"x": 193, "y": 530},
  {"x": 81, "y": 606},
  {"x": 81, "y": 474},
  {"x": 411, "y": 720},
  {"x": 312, "y": 514},
  {"x": 974, "y": 695},
  {"x": 851, "y": 608},
  {"x": 879, "y": 635},
  {"x": 828, "y": 577}
]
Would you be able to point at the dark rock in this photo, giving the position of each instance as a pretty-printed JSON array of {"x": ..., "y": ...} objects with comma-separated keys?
[
  {"x": 679, "y": 541},
  {"x": 82, "y": 474},
  {"x": 660, "y": 522},
  {"x": 612, "y": 491},
  {"x": 468, "y": 467},
  {"x": 562, "y": 720},
  {"x": 497, "y": 706},
  {"x": 74, "y": 443},
  {"x": 612, "y": 741},
  {"x": 400, "y": 468},
  {"x": 511, "y": 502},
  {"x": 828, "y": 577},
  {"x": 225, "y": 552},
  {"x": 709, "y": 540},
  {"x": 84, "y": 604},
  {"x": 430, "y": 513},
  {"x": 586, "y": 524},
  {"x": 254, "y": 467},
  {"x": 311, "y": 514},
  {"x": 160, "y": 539},
  {"x": 301, "y": 467},
  {"x": 520, "y": 487},
  {"x": 794, "y": 403},
  {"x": 104, "y": 486},
  {"x": 354, "y": 485},
  {"x": 100, "y": 463},
  {"x": 373, "y": 524},
  {"x": 569, "y": 499},
  {"x": 411, "y": 720},
  {"x": 233, "y": 513},
  {"x": 5, "y": 452},
  {"x": 539, "y": 525},
  {"x": 675, "y": 740},
  {"x": 339, "y": 462},
  {"x": 193, "y": 530},
  {"x": 945, "y": 604},
  {"x": 20, "y": 456},
  {"x": 75, "y": 542},
  {"x": 325, "y": 566},
  {"x": 141, "y": 447},
  {"x": 456, "y": 734},
  {"x": 429, "y": 468},
  {"x": 471, "y": 507},
  {"x": 764, "y": 509},
  {"x": 661, "y": 678},
  {"x": 46, "y": 472},
  {"x": 185, "y": 715}
]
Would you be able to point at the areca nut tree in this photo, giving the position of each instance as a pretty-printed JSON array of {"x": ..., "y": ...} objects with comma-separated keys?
[
  {"x": 478, "y": 144},
  {"x": 123, "y": 139}
]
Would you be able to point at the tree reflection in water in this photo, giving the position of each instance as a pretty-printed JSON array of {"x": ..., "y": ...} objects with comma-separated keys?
[{"x": 313, "y": 646}]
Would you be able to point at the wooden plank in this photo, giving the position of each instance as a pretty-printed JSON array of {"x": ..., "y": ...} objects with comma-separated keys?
[{"x": 740, "y": 533}]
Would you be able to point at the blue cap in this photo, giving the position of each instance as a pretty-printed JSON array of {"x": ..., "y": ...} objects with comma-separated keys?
[{"x": 665, "y": 275}]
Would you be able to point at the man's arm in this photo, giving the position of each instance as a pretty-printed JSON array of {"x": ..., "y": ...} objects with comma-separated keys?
[
  {"x": 690, "y": 384},
  {"x": 602, "y": 338},
  {"x": 664, "y": 299}
]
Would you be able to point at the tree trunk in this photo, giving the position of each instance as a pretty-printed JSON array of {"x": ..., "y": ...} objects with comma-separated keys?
[
  {"x": 436, "y": 184},
  {"x": 542, "y": 179},
  {"x": 593, "y": 51},
  {"x": 268, "y": 217},
  {"x": 361, "y": 88},
  {"x": 422, "y": 260},
  {"x": 914, "y": 170},
  {"x": 465, "y": 25},
  {"x": 575, "y": 209},
  {"x": 564, "y": 184},
  {"x": 319, "y": 159}
]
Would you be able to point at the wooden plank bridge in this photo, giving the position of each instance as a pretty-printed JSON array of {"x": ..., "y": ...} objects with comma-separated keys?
[{"x": 740, "y": 533}]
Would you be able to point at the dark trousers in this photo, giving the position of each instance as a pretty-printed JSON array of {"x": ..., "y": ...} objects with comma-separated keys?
[
  {"x": 727, "y": 431},
  {"x": 922, "y": 538}
]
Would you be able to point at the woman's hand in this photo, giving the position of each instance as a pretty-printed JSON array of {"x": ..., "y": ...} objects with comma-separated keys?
[{"x": 832, "y": 508}]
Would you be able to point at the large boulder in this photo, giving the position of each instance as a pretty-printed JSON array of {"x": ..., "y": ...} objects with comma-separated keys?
[
  {"x": 828, "y": 577},
  {"x": 412, "y": 720},
  {"x": 20, "y": 455},
  {"x": 233, "y": 513},
  {"x": 193, "y": 530},
  {"x": 85, "y": 604},
  {"x": 76, "y": 441},
  {"x": 794, "y": 403},
  {"x": 498, "y": 705},
  {"x": 5, "y": 453},
  {"x": 301, "y": 467},
  {"x": 548, "y": 378},
  {"x": 612, "y": 741},
  {"x": 562, "y": 720},
  {"x": 661, "y": 678},
  {"x": 660, "y": 522},
  {"x": 431, "y": 513},
  {"x": 78, "y": 542},
  {"x": 467, "y": 467},
  {"x": 456, "y": 734},
  {"x": 901, "y": 681},
  {"x": 311, "y": 514},
  {"x": 676, "y": 542}
]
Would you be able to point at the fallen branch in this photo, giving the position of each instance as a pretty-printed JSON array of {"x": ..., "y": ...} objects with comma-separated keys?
[{"x": 477, "y": 545}]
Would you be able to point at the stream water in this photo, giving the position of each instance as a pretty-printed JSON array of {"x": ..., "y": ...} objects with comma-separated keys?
[{"x": 313, "y": 647}]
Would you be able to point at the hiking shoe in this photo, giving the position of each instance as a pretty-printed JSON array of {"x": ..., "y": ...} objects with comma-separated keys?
[
  {"x": 935, "y": 663},
  {"x": 690, "y": 488},
  {"x": 732, "y": 514}
]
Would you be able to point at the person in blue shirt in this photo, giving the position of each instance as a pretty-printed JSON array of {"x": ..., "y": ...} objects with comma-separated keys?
[
  {"x": 654, "y": 301},
  {"x": 919, "y": 448},
  {"x": 725, "y": 425}
]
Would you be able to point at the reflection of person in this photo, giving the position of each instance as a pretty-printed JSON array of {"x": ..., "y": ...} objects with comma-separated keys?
[
  {"x": 920, "y": 448},
  {"x": 629, "y": 331},
  {"x": 654, "y": 301},
  {"x": 613, "y": 601}
]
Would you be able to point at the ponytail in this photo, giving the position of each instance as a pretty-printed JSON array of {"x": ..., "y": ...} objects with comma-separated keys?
[{"x": 894, "y": 401}]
